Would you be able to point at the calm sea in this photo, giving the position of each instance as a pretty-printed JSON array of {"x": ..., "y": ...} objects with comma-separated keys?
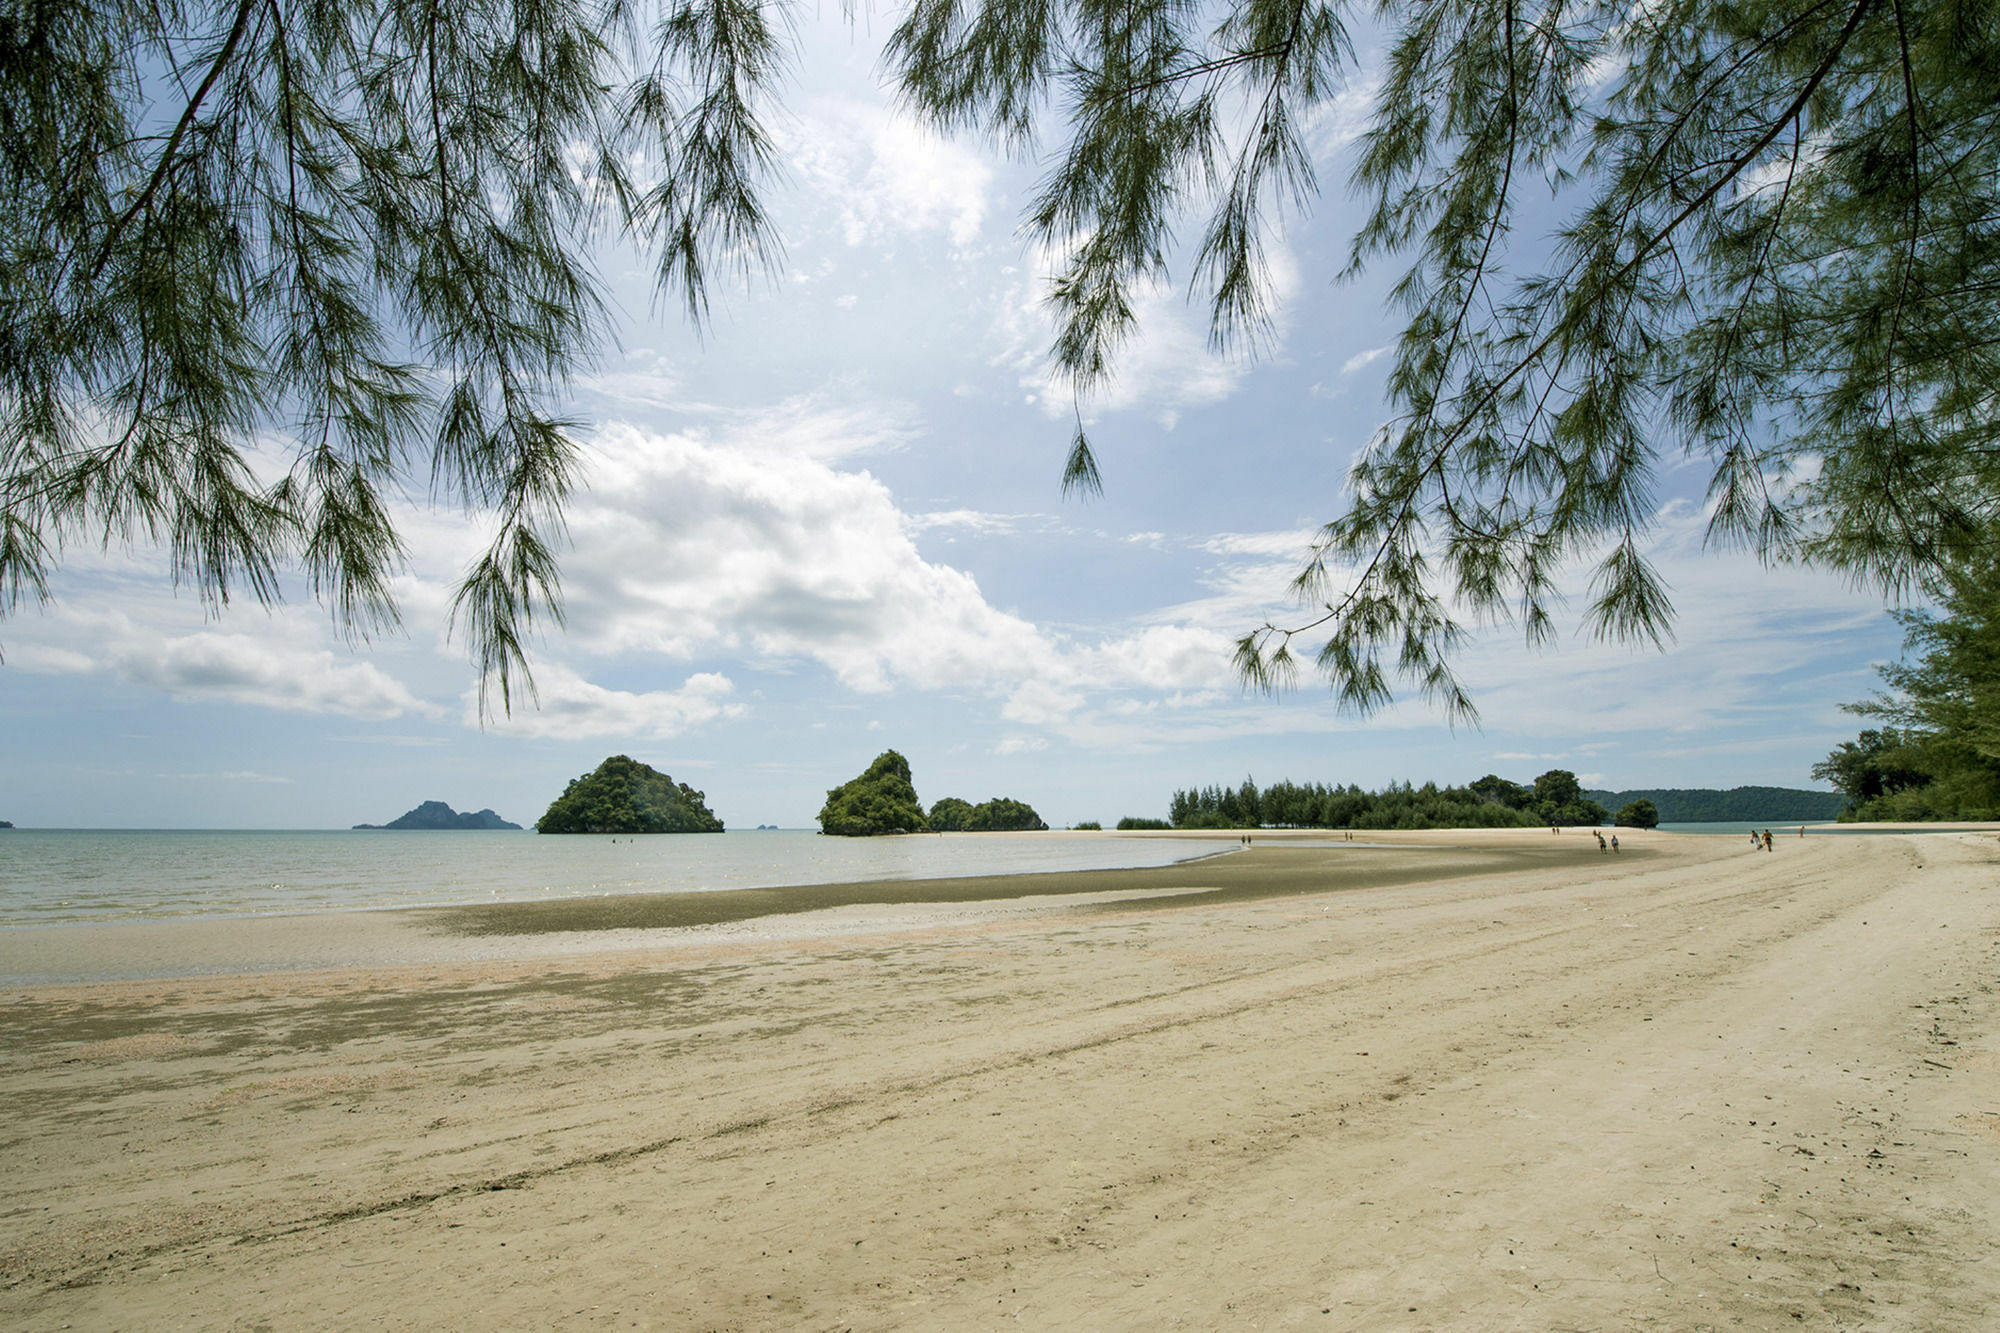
[
  {"x": 72, "y": 876},
  {"x": 1790, "y": 830}
]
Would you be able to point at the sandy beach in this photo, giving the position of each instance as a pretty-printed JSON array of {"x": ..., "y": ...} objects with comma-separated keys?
[{"x": 1468, "y": 1081}]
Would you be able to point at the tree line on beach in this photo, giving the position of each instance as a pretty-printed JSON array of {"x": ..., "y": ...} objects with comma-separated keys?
[{"x": 1554, "y": 798}]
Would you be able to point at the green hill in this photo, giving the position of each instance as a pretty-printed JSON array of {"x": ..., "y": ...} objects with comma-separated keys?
[
  {"x": 623, "y": 795},
  {"x": 881, "y": 800},
  {"x": 1002, "y": 814},
  {"x": 1705, "y": 805}
]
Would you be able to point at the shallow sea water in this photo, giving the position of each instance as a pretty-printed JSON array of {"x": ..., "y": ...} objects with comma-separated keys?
[{"x": 77, "y": 876}]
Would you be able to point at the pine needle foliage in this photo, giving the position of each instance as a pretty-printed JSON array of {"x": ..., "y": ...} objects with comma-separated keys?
[
  {"x": 1777, "y": 230},
  {"x": 1939, "y": 755},
  {"x": 268, "y": 265}
]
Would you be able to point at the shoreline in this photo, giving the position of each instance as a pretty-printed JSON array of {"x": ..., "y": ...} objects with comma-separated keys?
[
  {"x": 1278, "y": 864},
  {"x": 84, "y": 953},
  {"x": 1700, "y": 1087}
]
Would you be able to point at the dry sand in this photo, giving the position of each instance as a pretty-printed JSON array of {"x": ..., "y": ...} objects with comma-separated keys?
[{"x": 1506, "y": 1084}]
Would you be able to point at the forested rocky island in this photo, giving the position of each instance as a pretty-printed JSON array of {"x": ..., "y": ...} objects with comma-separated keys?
[
  {"x": 1002, "y": 814},
  {"x": 622, "y": 795},
  {"x": 881, "y": 800}
]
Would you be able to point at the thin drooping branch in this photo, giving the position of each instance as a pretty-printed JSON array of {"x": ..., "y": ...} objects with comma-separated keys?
[
  {"x": 170, "y": 153},
  {"x": 1397, "y": 531}
]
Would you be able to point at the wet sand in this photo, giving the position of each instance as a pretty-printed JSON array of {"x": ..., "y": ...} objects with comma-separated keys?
[{"x": 1494, "y": 1081}]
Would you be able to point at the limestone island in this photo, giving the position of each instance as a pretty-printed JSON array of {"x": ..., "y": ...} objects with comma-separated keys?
[
  {"x": 438, "y": 815},
  {"x": 623, "y": 795},
  {"x": 1002, "y": 814},
  {"x": 883, "y": 801},
  {"x": 880, "y": 801}
]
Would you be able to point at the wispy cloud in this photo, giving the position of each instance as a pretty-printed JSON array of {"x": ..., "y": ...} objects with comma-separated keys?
[
  {"x": 1164, "y": 368},
  {"x": 883, "y": 175},
  {"x": 232, "y": 775},
  {"x": 1361, "y": 359},
  {"x": 1335, "y": 124},
  {"x": 974, "y": 521}
]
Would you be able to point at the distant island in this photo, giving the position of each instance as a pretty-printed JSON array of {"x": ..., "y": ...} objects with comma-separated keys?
[
  {"x": 438, "y": 815},
  {"x": 6, "y": 823},
  {"x": 622, "y": 795},
  {"x": 1705, "y": 805}
]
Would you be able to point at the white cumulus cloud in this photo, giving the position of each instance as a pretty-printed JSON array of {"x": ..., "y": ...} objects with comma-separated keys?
[{"x": 285, "y": 668}]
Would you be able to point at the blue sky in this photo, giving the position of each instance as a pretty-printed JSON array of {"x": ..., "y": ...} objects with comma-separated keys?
[{"x": 831, "y": 525}]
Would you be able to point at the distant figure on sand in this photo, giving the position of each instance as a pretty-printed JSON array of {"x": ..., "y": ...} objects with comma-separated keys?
[
  {"x": 1600, "y": 840},
  {"x": 1614, "y": 842},
  {"x": 1767, "y": 840}
]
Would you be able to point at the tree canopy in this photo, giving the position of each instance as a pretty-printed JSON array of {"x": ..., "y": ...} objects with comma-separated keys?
[
  {"x": 622, "y": 795},
  {"x": 1939, "y": 757},
  {"x": 949, "y": 814},
  {"x": 1776, "y": 225},
  {"x": 359, "y": 234},
  {"x": 881, "y": 800},
  {"x": 1491, "y": 802},
  {"x": 1002, "y": 814},
  {"x": 1559, "y": 799},
  {"x": 1640, "y": 813}
]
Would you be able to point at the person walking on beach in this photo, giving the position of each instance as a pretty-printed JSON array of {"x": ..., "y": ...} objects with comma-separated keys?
[
  {"x": 1614, "y": 842},
  {"x": 1600, "y": 841},
  {"x": 1767, "y": 840}
]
